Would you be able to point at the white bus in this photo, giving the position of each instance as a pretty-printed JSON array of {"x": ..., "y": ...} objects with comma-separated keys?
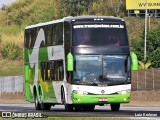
[{"x": 79, "y": 62}]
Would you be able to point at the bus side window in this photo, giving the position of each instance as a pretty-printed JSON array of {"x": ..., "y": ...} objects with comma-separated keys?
[
  {"x": 60, "y": 31},
  {"x": 48, "y": 35},
  {"x": 26, "y": 39},
  {"x": 29, "y": 40},
  {"x": 53, "y": 41},
  {"x": 57, "y": 71},
  {"x": 42, "y": 71},
  {"x": 45, "y": 71},
  {"x": 52, "y": 72},
  {"x": 33, "y": 36}
]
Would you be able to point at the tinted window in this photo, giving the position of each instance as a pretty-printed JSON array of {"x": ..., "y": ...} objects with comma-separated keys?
[
  {"x": 100, "y": 35},
  {"x": 53, "y": 35},
  {"x": 26, "y": 38},
  {"x": 48, "y": 35},
  {"x": 67, "y": 37},
  {"x": 57, "y": 34},
  {"x": 52, "y": 70},
  {"x": 33, "y": 35}
]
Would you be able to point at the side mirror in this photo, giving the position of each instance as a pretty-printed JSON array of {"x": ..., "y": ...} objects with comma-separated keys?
[
  {"x": 134, "y": 65},
  {"x": 70, "y": 62}
]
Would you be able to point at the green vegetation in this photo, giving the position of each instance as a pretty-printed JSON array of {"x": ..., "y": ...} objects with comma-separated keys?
[
  {"x": 14, "y": 18},
  {"x": 70, "y": 118},
  {"x": 144, "y": 65},
  {"x": 11, "y": 68},
  {"x": 153, "y": 48}
]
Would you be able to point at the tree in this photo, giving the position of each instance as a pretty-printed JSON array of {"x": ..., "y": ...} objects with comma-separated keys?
[
  {"x": 107, "y": 7},
  {"x": 71, "y": 7},
  {"x": 152, "y": 48}
]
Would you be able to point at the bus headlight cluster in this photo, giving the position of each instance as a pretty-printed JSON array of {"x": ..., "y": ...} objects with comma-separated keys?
[
  {"x": 80, "y": 92},
  {"x": 124, "y": 91}
]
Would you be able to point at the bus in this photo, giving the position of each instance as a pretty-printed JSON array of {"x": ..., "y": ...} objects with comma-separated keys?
[{"x": 78, "y": 62}]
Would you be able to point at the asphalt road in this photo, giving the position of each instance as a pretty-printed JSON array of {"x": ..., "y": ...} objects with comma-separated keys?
[{"x": 100, "y": 111}]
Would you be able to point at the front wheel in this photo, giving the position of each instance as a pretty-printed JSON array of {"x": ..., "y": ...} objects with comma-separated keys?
[
  {"x": 115, "y": 106},
  {"x": 68, "y": 107},
  {"x": 88, "y": 107}
]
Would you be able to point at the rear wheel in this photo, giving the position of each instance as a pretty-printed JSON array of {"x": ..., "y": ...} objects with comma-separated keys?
[
  {"x": 115, "y": 106},
  {"x": 44, "y": 106},
  {"x": 47, "y": 106},
  {"x": 36, "y": 102},
  {"x": 68, "y": 107}
]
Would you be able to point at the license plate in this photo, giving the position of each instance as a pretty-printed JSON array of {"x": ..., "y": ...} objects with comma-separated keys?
[{"x": 102, "y": 99}]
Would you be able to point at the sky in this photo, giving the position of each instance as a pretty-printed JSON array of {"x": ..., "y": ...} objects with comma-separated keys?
[{"x": 6, "y": 2}]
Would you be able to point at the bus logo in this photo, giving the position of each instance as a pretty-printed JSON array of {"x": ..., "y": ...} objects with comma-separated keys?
[{"x": 102, "y": 91}]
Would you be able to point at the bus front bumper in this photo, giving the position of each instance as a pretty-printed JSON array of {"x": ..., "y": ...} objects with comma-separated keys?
[{"x": 100, "y": 99}]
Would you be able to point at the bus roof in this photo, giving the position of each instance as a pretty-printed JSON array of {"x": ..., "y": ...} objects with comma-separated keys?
[
  {"x": 94, "y": 18},
  {"x": 46, "y": 23},
  {"x": 79, "y": 18}
]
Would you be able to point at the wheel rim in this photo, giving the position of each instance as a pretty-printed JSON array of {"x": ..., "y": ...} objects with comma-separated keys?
[
  {"x": 63, "y": 97},
  {"x": 35, "y": 101},
  {"x": 41, "y": 101}
]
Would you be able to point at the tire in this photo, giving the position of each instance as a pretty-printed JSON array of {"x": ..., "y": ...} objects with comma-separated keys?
[
  {"x": 37, "y": 104},
  {"x": 115, "y": 106},
  {"x": 78, "y": 107},
  {"x": 88, "y": 107},
  {"x": 68, "y": 107},
  {"x": 41, "y": 101},
  {"x": 44, "y": 106}
]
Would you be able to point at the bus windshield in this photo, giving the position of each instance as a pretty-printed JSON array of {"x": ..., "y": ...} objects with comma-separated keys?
[
  {"x": 100, "y": 70},
  {"x": 100, "y": 35}
]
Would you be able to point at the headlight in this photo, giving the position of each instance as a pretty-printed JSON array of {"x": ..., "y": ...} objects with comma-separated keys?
[
  {"x": 80, "y": 92},
  {"x": 124, "y": 91}
]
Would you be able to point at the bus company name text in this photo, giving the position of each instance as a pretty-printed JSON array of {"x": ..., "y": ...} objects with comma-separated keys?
[{"x": 22, "y": 115}]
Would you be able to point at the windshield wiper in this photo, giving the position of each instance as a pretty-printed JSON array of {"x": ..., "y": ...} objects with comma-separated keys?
[
  {"x": 96, "y": 84},
  {"x": 117, "y": 83}
]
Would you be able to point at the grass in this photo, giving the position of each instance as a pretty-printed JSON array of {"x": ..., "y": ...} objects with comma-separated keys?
[
  {"x": 11, "y": 68},
  {"x": 15, "y": 17},
  {"x": 70, "y": 118},
  {"x": 22, "y": 13}
]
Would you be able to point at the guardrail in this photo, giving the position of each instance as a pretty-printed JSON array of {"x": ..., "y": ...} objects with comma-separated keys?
[
  {"x": 142, "y": 80},
  {"x": 145, "y": 87},
  {"x": 11, "y": 84}
]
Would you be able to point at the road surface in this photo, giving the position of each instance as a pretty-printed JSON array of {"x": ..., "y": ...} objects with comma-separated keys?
[{"x": 100, "y": 111}]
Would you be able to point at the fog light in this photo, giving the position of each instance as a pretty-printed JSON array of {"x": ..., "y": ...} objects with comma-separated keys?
[
  {"x": 80, "y": 92},
  {"x": 123, "y": 91}
]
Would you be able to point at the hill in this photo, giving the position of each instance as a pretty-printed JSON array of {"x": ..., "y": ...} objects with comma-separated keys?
[{"x": 15, "y": 17}]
